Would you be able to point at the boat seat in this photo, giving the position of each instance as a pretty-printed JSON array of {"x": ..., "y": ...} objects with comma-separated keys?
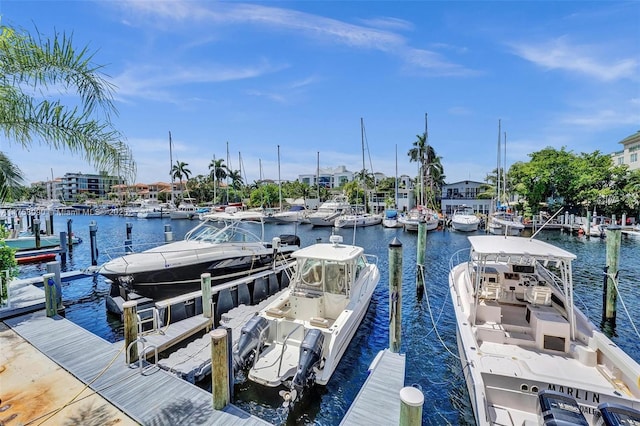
[
  {"x": 538, "y": 295},
  {"x": 276, "y": 313},
  {"x": 491, "y": 291}
]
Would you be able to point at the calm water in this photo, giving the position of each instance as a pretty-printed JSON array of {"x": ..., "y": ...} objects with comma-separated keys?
[{"x": 428, "y": 348}]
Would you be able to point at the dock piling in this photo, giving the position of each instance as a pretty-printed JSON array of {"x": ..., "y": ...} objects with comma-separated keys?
[
  {"x": 129, "y": 226},
  {"x": 168, "y": 234},
  {"x": 36, "y": 233},
  {"x": 207, "y": 306},
  {"x": 130, "y": 314},
  {"x": 395, "y": 295},
  {"x": 54, "y": 268},
  {"x": 50, "y": 296},
  {"x": 93, "y": 230},
  {"x": 69, "y": 236},
  {"x": 610, "y": 293},
  {"x": 219, "y": 368},
  {"x": 63, "y": 248},
  {"x": 411, "y": 401}
]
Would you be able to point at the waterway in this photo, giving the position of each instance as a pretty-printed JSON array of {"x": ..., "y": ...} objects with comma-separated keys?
[{"x": 428, "y": 325}]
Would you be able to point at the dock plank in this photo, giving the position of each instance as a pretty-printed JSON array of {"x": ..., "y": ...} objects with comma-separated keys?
[
  {"x": 381, "y": 389},
  {"x": 153, "y": 398}
]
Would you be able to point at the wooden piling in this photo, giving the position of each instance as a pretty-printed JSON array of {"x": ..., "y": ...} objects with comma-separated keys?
[
  {"x": 69, "y": 236},
  {"x": 93, "y": 231},
  {"x": 411, "y": 401},
  {"x": 50, "y": 229},
  {"x": 50, "y": 296},
  {"x": 36, "y": 233},
  {"x": 395, "y": 295},
  {"x": 219, "y": 368},
  {"x": 420, "y": 256},
  {"x": 54, "y": 268},
  {"x": 207, "y": 306},
  {"x": 587, "y": 230},
  {"x": 610, "y": 293},
  {"x": 168, "y": 234},
  {"x": 130, "y": 314},
  {"x": 63, "y": 248},
  {"x": 129, "y": 226}
]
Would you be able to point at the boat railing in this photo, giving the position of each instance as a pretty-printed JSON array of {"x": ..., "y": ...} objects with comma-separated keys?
[
  {"x": 284, "y": 346},
  {"x": 371, "y": 259}
]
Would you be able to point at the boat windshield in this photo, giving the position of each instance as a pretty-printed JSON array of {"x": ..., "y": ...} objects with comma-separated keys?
[
  {"x": 323, "y": 276},
  {"x": 216, "y": 232}
]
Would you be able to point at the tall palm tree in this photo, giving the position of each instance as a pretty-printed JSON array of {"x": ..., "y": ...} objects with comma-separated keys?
[
  {"x": 31, "y": 69},
  {"x": 431, "y": 170},
  {"x": 218, "y": 172},
  {"x": 10, "y": 179},
  {"x": 180, "y": 170}
]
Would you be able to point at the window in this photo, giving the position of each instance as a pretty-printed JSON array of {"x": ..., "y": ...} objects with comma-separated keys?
[{"x": 634, "y": 157}]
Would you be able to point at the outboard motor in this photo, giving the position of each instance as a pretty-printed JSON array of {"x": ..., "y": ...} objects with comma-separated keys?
[
  {"x": 559, "y": 409},
  {"x": 250, "y": 338},
  {"x": 611, "y": 414},
  {"x": 310, "y": 351}
]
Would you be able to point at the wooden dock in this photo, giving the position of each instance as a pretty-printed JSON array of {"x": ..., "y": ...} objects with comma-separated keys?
[
  {"x": 378, "y": 402},
  {"x": 153, "y": 398}
]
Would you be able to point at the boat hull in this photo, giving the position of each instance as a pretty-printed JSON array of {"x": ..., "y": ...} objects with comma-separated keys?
[{"x": 29, "y": 242}]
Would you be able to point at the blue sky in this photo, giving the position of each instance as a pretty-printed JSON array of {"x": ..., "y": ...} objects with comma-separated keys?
[{"x": 302, "y": 74}]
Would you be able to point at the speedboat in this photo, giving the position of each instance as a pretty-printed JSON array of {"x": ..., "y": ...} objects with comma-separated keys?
[
  {"x": 296, "y": 213},
  {"x": 465, "y": 220},
  {"x": 390, "y": 219},
  {"x": 521, "y": 339},
  {"x": 329, "y": 210},
  {"x": 185, "y": 210},
  {"x": 298, "y": 340},
  {"x": 28, "y": 242},
  {"x": 417, "y": 215},
  {"x": 504, "y": 223},
  {"x": 222, "y": 244},
  {"x": 357, "y": 220}
]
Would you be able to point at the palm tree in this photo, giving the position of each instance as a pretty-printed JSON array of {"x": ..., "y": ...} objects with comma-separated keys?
[
  {"x": 431, "y": 171},
  {"x": 179, "y": 170},
  {"x": 31, "y": 68},
  {"x": 10, "y": 179},
  {"x": 218, "y": 172}
]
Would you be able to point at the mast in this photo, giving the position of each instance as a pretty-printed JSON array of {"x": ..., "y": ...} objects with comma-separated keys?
[
  {"x": 498, "y": 166},
  {"x": 171, "y": 164},
  {"x": 318, "y": 177},
  {"x": 504, "y": 172},
  {"x": 364, "y": 191},
  {"x": 424, "y": 164},
  {"x": 228, "y": 167},
  {"x": 395, "y": 206},
  {"x": 279, "y": 180}
]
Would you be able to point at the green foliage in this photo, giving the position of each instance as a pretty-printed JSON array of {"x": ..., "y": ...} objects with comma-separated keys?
[
  {"x": 266, "y": 195},
  {"x": 8, "y": 259}
]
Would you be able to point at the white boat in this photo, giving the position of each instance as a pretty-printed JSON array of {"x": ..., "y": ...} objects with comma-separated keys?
[
  {"x": 154, "y": 210},
  {"x": 465, "y": 220},
  {"x": 295, "y": 213},
  {"x": 222, "y": 245},
  {"x": 329, "y": 211},
  {"x": 504, "y": 223},
  {"x": 521, "y": 339},
  {"x": 299, "y": 338},
  {"x": 185, "y": 210},
  {"x": 417, "y": 215},
  {"x": 390, "y": 219},
  {"x": 357, "y": 220},
  {"x": 598, "y": 226}
]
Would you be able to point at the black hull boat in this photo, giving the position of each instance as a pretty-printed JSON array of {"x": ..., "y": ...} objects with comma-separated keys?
[{"x": 221, "y": 245}]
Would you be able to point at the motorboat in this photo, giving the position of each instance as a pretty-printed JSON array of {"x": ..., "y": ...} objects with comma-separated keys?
[
  {"x": 390, "y": 219},
  {"x": 418, "y": 215},
  {"x": 223, "y": 244},
  {"x": 154, "y": 210},
  {"x": 329, "y": 210},
  {"x": 465, "y": 220},
  {"x": 598, "y": 226},
  {"x": 357, "y": 220},
  {"x": 503, "y": 222},
  {"x": 28, "y": 241},
  {"x": 296, "y": 213},
  {"x": 298, "y": 340},
  {"x": 520, "y": 336},
  {"x": 185, "y": 210}
]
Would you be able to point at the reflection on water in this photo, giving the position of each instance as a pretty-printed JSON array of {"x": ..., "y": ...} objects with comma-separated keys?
[{"x": 430, "y": 351}]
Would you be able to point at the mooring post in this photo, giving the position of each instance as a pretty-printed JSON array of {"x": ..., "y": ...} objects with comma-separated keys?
[
  {"x": 54, "y": 268},
  {"x": 5, "y": 292},
  {"x": 205, "y": 284},
  {"x": 395, "y": 295},
  {"x": 587, "y": 230},
  {"x": 168, "y": 234},
  {"x": 610, "y": 293},
  {"x": 623, "y": 223},
  {"x": 51, "y": 223},
  {"x": 69, "y": 236},
  {"x": 130, "y": 314},
  {"x": 128, "y": 248},
  {"x": 219, "y": 368},
  {"x": 129, "y": 226},
  {"x": 411, "y": 401},
  {"x": 36, "y": 232},
  {"x": 422, "y": 248},
  {"x": 63, "y": 248},
  {"x": 93, "y": 230},
  {"x": 50, "y": 296}
]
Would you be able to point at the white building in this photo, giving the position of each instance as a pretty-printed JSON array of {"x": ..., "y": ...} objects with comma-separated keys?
[
  {"x": 457, "y": 194},
  {"x": 629, "y": 153}
]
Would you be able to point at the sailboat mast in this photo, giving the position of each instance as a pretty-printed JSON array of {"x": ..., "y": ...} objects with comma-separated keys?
[
  {"x": 364, "y": 192},
  {"x": 318, "y": 176},
  {"x": 279, "y": 180},
  {"x": 498, "y": 166},
  {"x": 395, "y": 206},
  {"x": 171, "y": 164},
  {"x": 504, "y": 171},
  {"x": 426, "y": 147}
]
